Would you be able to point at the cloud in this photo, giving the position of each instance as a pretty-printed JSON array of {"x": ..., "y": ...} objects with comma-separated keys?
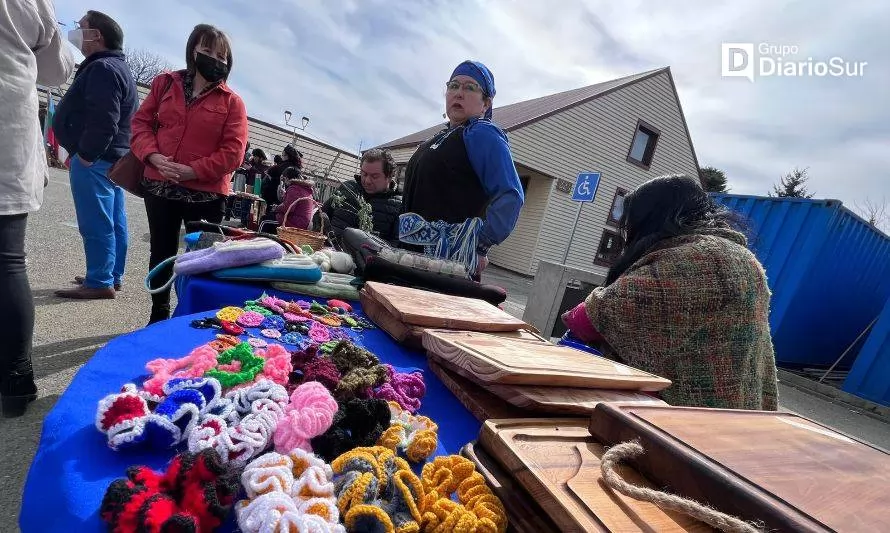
[{"x": 371, "y": 71}]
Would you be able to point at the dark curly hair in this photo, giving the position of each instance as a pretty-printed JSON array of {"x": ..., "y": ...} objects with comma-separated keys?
[{"x": 665, "y": 207}]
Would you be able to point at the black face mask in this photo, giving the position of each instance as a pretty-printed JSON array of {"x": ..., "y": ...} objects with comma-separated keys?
[{"x": 212, "y": 69}]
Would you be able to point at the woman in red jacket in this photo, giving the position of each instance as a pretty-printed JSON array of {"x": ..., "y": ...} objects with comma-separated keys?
[{"x": 191, "y": 132}]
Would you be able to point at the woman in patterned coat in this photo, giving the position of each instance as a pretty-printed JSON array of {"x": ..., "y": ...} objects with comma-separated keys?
[{"x": 686, "y": 301}]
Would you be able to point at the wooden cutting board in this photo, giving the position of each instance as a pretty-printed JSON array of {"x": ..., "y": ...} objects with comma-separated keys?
[
  {"x": 488, "y": 359},
  {"x": 481, "y": 403},
  {"x": 524, "y": 514},
  {"x": 411, "y": 336},
  {"x": 434, "y": 310},
  {"x": 557, "y": 461},
  {"x": 783, "y": 469},
  {"x": 567, "y": 400}
]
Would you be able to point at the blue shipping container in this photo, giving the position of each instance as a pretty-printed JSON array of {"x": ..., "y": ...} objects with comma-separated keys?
[
  {"x": 829, "y": 272},
  {"x": 870, "y": 375}
]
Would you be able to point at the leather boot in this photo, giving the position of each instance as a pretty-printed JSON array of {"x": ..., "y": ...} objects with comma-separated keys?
[
  {"x": 87, "y": 293},
  {"x": 16, "y": 392},
  {"x": 159, "y": 313}
]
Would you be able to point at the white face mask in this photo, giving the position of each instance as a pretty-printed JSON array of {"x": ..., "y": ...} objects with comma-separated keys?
[{"x": 76, "y": 38}]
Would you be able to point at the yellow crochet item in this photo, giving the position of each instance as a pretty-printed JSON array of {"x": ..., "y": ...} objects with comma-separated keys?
[
  {"x": 479, "y": 510},
  {"x": 368, "y": 476},
  {"x": 229, "y": 314},
  {"x": 417, "y": 436}
]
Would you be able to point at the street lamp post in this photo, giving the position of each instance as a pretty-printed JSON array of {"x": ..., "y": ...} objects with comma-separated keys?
[{"x": 304, "y": 122}]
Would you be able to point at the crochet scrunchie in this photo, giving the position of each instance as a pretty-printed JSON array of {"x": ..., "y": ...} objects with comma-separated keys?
[
  {"x": 277, "y": 366},
  {"x": 251, "y": 365},
  {"x": 478, "y": 510},
  {"x": 377, "y": 491},
  {"x": 404, "y": 388},
  {"x": 127, "y": 422},
  {"x": 286, "y": 493},
  {"x": 360, "y": 370},
  {"x": 416, "y": 436},
  {"x": 195, "y": 493},
  {"x": 238, "y": 443},
  {"x": 195, "y": 364},
  {"x": 357, "y": 423},
  {"x": 309, "y": 414}
]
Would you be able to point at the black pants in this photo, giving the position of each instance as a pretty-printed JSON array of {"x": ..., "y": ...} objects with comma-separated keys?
[
  {"x": 17, "y": 309},
  {"x": 165, "y": 217}
]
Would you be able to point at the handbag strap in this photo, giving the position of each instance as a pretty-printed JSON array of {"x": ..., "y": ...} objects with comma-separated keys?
[
  {"x": 156, "y": 124},
  {"x": 291, "y": 206},
  {"x": 154, "y": 272}
]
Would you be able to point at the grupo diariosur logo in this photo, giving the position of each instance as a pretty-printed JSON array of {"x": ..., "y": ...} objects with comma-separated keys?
[{"x": 739, "y": 60}]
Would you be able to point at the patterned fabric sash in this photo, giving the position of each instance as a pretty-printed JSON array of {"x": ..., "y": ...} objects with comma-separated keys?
[{"x": 455, "y": 242}]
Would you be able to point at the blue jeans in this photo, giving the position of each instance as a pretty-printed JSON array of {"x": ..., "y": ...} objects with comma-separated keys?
[{"x": 102, "y": 221}]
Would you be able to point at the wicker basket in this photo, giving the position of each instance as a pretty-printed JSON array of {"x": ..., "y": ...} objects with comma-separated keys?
[{"x": 301, "y": 237}]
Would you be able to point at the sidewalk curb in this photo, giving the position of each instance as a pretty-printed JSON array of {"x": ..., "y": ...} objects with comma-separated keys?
[{"x": 827, "y": 392}]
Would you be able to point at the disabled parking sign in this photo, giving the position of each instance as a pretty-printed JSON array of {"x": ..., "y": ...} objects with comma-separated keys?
[{"x": 585, "y": 187}]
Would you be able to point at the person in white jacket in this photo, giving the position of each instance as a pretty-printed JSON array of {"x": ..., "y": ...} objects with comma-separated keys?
[{"x": 33, "y": 51}]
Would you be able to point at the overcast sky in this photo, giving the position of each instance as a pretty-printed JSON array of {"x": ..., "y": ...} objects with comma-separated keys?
[{"x": 370, "y": 71}]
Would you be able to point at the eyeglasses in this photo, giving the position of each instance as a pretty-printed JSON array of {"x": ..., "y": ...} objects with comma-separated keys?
[{"x": 453, "y": 86}]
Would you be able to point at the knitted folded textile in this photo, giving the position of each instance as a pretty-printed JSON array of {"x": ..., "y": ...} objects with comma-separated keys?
[
  {"x": 288, "y": 493},
  {"x": 291, "y": 268},
  {"x": 477, "y": 508},
  {"x": 442, "y": 240},
  {"x": 377, "y": 491},
  {"x": 221, "y": 255},
  {"x": 415, "y": 436},
  {"x": 309, "y": 414},
  {"x": 237, "y": 443},
  {"x": 195, "y": 493},
  {"x": 404, "y": 388},
  {"x": 128, "y": 423}
]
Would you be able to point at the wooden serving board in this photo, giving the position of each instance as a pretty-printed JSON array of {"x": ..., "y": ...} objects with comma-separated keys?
[
  {"x": 411, "y": 336},
  {"x": 488, "y": 359},
  {"x": 524, "y": 515},
  {"x": 434, "y": 310},
  {"x": 481, "y": 403},
  {"x": 783, "y": 469},
  {"x": 558, "y": 462},
  {"x": 567, "y": 400}
]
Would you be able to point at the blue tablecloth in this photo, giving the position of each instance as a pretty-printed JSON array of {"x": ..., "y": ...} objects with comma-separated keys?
[
  {"x": 196, "y": 294},
  {"x": 73, "y": 465}
]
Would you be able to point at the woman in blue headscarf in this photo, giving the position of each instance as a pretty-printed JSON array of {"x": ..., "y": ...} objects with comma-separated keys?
[{"x": 466, "y": 171}]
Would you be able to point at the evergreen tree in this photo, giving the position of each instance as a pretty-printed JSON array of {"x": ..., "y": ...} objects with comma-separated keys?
[
  {"x": 713, "y": 180},
  {"x": 792, "y": 185}
]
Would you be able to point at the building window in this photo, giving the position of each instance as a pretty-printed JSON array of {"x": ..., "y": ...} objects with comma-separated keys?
[
  {"x": 611, "y": 246},
  {"x": 617, "y": 208},
  {"x": 642, "y": 147},
  {"x": 399, "y": 176}
]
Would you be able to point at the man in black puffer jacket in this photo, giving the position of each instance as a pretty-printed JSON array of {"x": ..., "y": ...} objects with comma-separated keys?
[{"x": 373, "y": 194}]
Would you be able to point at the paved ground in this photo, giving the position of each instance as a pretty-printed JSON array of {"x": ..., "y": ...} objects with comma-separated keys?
[{"x": 69, "y": 332}]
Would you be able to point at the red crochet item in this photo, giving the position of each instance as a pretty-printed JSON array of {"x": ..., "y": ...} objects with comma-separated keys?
[{"x": 194, "y": 494}]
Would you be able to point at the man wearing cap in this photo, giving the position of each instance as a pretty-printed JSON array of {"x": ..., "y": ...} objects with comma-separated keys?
[{"x": 466, "y": 171}]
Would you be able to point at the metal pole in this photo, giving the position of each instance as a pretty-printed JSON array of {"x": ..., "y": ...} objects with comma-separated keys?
[
  {"x": 848, "y": 349},
  {"x": 572, "y": 237}
]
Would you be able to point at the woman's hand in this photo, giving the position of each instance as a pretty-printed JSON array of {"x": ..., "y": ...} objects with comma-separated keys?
[
  {"x": 183, "y": 172},
  {"x": 162, "y": 164}
]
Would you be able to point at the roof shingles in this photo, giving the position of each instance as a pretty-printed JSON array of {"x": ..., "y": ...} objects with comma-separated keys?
[{"x": 512, "y": 116}]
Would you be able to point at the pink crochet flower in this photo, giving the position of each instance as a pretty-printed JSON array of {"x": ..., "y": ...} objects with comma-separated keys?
[
  {"x": 193, "y": 365},
  {"x": 278, "y": 364},
  {"x": 319, "y": 333},
  {"x": 273, "y": 304},
  {"x": 309, "y": 414},
  {"x": 406, "y": 389},
  {"x": 250, "y": 319}
]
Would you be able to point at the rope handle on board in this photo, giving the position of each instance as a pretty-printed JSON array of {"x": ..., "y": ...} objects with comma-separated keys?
[{"x": 664, "y": 500}]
